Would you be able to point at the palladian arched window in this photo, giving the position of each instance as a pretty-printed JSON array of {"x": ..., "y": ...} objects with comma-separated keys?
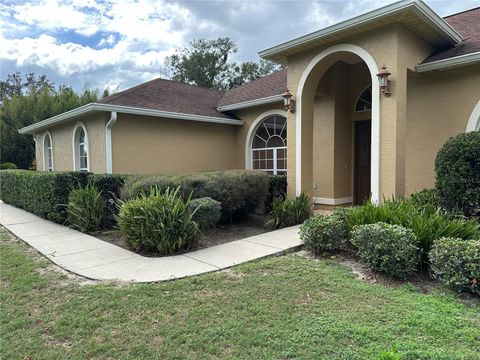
[
  {"x": 364, "y": 101},
  {"x": 47, "y": 152},
  {"x": 80, "y": 148},
  {"x": 269, "y": 146}
]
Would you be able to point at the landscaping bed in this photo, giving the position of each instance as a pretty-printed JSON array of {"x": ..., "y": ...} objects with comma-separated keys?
[{"x": 221, "y": 234}]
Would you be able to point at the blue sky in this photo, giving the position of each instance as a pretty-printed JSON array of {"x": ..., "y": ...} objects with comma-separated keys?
[{"x": 120, "y": 43}]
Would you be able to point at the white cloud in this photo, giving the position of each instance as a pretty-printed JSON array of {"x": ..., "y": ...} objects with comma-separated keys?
[{"x": 131, "y": 38}]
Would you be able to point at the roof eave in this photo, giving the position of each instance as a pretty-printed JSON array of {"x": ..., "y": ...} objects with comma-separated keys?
[
  {"x": 98, "y": 107},
  {"x": 274, "y": 53},
  {"x": 449, "y": 63},
  {"x": 251, "y": 103}
]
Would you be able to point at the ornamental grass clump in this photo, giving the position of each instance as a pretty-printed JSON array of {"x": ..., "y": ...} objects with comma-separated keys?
[
  {"x": 389, "y": 249},
  {"x": 86, "y": 209},
  {"x": 289, "y": 211},
  {"x": 160, "y": 222}
]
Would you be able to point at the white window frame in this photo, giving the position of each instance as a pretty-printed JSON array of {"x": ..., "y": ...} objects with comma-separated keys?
[
  {"x": 253, "y": 132},
  {"x": 76, "y": 147},
  {"x": 46, "y": 152}
]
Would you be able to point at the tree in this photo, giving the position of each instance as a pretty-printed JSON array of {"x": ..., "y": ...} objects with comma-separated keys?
[
  {"x": 26, "y": 102},
  {"x": 206, "y": 63}
]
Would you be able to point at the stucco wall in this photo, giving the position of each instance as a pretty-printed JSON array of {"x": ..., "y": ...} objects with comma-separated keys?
[
  {"x": 393, "y": 46},
  {"x": 439, "y": 105},
  {"x": 62, "y": 143},
  {"x": 151, "y": 145}
]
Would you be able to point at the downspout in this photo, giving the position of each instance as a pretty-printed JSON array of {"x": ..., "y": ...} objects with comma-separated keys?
[{"x": 108, "y": 141}]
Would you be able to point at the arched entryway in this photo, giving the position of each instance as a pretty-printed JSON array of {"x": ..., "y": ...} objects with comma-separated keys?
[{"x": 336, "y": 152}]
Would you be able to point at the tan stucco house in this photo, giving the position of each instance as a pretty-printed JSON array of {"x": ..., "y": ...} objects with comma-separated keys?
[{"x": 347, "y": 133}]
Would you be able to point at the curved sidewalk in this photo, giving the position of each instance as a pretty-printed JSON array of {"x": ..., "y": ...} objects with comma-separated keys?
[{"x": 92, "y": 258}]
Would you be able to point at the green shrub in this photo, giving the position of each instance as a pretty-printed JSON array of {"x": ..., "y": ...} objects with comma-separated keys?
[
  {"x": 8, "y": 166},
  {"x": 158, "y": 222},
  {"x": 457, "y": 172},
  {"x": 456, "y": 262},
  {"x": 289, "y": 212},
  {"x": 390, "y": 249},
  {"x": 428, "y": 224},
  {"x": 85, "y": 209},
  {"x": 425, "y": 198},
  {"x": 42, "y": 193},
  {"x": 277, "y": 190},
  {"x": 322, "y": 233},
  {"x": 206, "y": 212},
  {"x": 239, "y": 191},
  {"x": 110, "y": 187}
]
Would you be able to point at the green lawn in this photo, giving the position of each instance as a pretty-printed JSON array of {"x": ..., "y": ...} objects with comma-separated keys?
[{"x": 286, "y": 307}]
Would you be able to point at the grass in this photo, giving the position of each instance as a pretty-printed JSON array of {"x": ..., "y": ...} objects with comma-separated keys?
[{"x": 286, "y": 307}]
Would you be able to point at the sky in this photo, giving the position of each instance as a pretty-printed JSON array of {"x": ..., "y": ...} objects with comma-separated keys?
[{"x": 116, "y": 44}]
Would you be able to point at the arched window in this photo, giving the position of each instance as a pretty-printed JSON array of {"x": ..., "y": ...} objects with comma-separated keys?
[
  {"x": 80, "y": 148},
  {"x": 47, "y": 152},
  {"x": 364, "y": 101},
  {"x": 269, "y": 146}
]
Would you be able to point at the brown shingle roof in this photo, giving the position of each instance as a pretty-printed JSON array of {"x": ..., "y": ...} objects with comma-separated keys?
[
  {"x": 171, "y": 96},
  {"x": 467, "y": 23},
  {"x": 273, "y": 84}
]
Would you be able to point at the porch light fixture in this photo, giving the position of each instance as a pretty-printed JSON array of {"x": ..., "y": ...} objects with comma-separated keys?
[
  {"x": 383, "y": 81},
  {"x": 288, "y": 102}
]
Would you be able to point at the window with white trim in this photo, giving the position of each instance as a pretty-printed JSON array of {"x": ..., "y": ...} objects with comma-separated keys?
[
  {"x": 47, "y": 152},
  {"x": 81, "y": 149},
  {"x": 269, "y": 146},
  {"x": 364, "y": 101}
]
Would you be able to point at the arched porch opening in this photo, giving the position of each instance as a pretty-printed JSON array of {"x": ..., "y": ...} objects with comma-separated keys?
[{"x": 338, "y": 127}]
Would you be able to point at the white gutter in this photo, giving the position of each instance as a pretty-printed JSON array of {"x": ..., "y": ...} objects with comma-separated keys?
[
  {"x": 108, "y": 142},
  {"x": 418, "y": 6},
  {"x": 453, "y": 62},
  {"x": 250, "y": 103},
  {"x": 93, "y": 107}
]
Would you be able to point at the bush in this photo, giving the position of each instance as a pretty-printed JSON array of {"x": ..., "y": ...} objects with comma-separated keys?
[
  {"x": 110, "y": 187},
  {"x": 425, "y": 198},
  {"x": 427, "y": 223},
  {"x": 158, "y": 222},
  {"x": 206, "y": 212},
  {"x": 289, "y": 212},
  {"x": 456, "y": 262},
  {"x": 42, "y": 193},
  {"x": 277, "y": 190},
  {"x": 239, "y": 191},
  {"x": 322, "y": 233},
  {"x": 390, "y": 249},
  {"x": 457, "y": 172},
  {"x": 86, "y": 209},
  {"x": 8, "y": 166}
]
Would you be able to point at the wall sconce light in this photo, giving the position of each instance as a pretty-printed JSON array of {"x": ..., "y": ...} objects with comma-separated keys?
[
  {"x": 383, "y": 81},
  {"x": 288, "y": 102}
]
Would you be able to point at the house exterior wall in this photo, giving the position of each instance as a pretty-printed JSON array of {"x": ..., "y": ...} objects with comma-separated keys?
[
  {"x": 393, "y": 46},
  {"x": 62, "y": 144},
  {"x": 151, "y": 145},
  {"x": 439, "y": 105}
]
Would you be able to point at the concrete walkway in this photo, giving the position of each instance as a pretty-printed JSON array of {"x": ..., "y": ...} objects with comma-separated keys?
[{"x": 95, "y": 259}]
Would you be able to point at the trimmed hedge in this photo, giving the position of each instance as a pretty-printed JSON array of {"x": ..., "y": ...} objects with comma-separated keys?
[
  {"x": 456, "y": 262},
  {"x": 8, "y": 166},
  {"x": 240, "y": 192},
  {"x": 206, "y": 212},
  {"x": 322, "y": 233},
  {"x": 46, "y": 193},
  {"x": 390, "y": 249},
  {"x": 42, "y": 193},
  {"x": 457, "y": 172}
]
